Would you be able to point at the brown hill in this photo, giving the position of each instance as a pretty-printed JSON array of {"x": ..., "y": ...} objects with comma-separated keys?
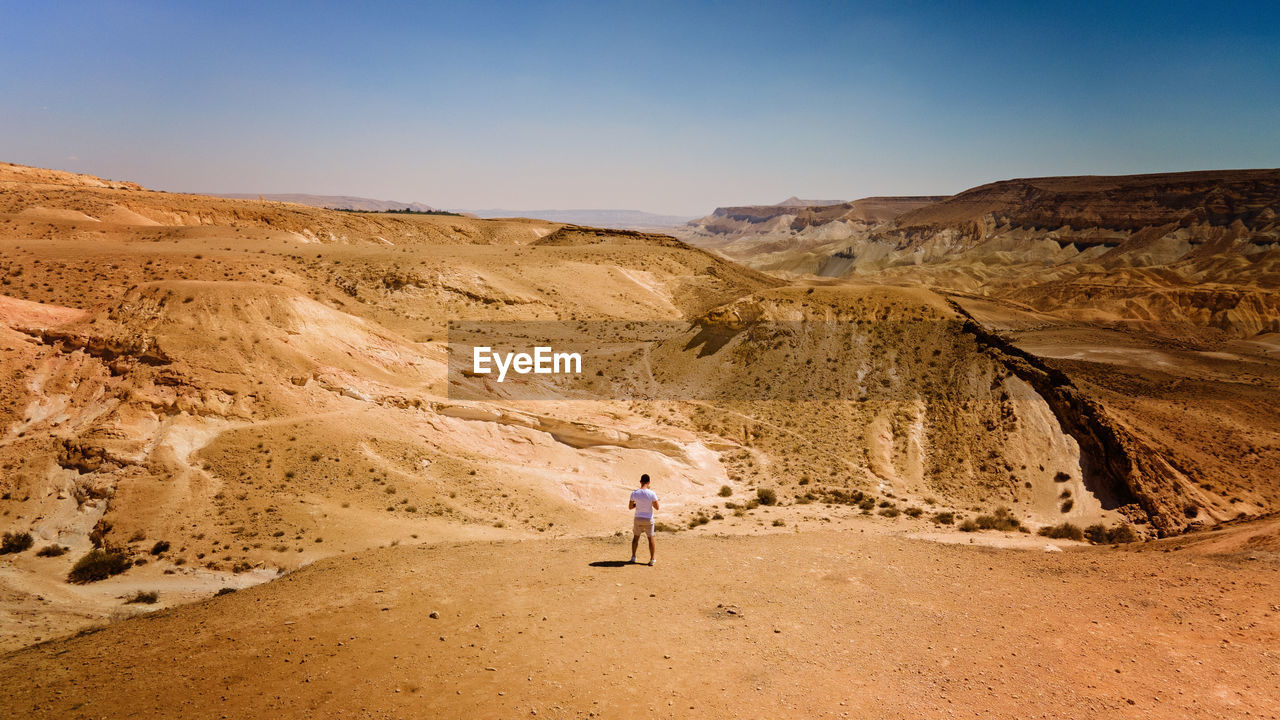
[{"x": 1121, "y": 202}]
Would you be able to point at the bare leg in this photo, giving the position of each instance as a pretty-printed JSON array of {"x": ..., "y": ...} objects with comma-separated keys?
[
  {"x": 633, "y": 552},
  {"x": 635, "y": 543}
]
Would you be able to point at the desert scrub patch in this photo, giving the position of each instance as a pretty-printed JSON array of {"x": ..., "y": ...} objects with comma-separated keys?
[
  {"x": 725, "y": 491},
  {"x": 944, "y": 518},
  {"x": 1064, "y": 531},
  {"x": 890, "y": 511},
  {"x": 98, "y": 564},
  {"x": 143, "y": 597},
  {"x": 767, "y": 496},
  {"x": 15, "y": 542},
  {"x": 1067, "y": 505},
  {"x": 914, "y": 511},
  {"x": 1001, "y": 519},
  {"x": 1100, "y": 534},
  {"x": 54, "y": 550}
]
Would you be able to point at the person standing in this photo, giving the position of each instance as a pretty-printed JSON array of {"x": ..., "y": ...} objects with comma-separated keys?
[{"x": 644, "y": 502}]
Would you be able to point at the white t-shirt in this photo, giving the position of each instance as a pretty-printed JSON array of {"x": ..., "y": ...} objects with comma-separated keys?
[{"x": 644, "y": 498}]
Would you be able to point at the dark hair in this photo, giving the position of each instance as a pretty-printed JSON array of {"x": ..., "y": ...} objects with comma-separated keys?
[{"x": 644, "y": 479}]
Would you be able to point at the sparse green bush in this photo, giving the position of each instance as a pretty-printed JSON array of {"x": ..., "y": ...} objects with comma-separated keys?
[
  {"x": 767, "y": 496},
  {"x": 944, "y": 518},
  {"x": 867, "y": 504},
  {"x": 969, "y": 526},
  {"x": 54, "y": 550},
  {"x": 16, "y": 542},
  {"x": 98, "y": 564},
  {"x": 725, "y": 491},
  {"x": 914, "y": 512},
  {"x": 1065, "y": 531},
  {"x": 890, "y": 511}
]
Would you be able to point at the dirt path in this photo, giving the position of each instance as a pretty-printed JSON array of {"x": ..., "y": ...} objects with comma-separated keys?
[{"x": 784, "y": 625}]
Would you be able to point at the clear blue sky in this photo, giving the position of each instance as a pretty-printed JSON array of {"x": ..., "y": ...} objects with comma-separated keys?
[{"x": 668, "y": 107}]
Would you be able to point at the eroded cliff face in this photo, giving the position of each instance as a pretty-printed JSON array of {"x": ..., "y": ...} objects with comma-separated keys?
[{"x": 1117, "y": 466}]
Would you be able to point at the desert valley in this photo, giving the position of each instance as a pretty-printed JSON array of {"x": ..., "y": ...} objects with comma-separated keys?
[{"x": 1009, "y": 453}]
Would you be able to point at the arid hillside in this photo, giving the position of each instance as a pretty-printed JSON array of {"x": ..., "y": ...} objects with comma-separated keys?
[
  {"x": 1177, "y": 253},
  {"x": 203, "y": 394},
  {"x": 1152, "y": 294},
  {"x": 1182, "y": 252}
]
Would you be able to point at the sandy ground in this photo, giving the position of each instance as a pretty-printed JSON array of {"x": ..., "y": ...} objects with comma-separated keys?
[{"x": 820, "y": 624}]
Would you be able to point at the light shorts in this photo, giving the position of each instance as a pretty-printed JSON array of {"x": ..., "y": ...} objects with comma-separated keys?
[{"x": 642, "y": 526}]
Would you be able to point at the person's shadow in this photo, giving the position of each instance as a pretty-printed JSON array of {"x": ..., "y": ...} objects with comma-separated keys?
[{"x": 610, "y": 563}]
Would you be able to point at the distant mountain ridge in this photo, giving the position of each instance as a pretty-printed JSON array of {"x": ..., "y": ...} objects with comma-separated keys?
[
  {"x": 617, "y": 219},
  {"x": 333, "y": 202},
  {"x": 790, "y": 214},
  {"x": 794, "y": 201}
]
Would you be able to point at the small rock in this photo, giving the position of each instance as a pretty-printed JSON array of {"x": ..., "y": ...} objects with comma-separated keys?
[{"x": 434, "y": 615}]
